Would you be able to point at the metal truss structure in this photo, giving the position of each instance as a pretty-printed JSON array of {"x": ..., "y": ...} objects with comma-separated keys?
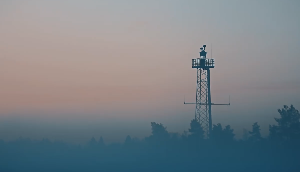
[{"x": 203, "y": 93}]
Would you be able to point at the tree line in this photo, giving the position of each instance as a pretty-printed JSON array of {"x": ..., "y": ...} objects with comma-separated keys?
[{"x": 167, "y": 151}]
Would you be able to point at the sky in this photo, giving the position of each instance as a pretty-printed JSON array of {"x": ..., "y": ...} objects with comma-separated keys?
[{"x": 71, "y": 70}]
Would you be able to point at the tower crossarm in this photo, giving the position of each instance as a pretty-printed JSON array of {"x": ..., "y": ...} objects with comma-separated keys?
[{"x": 207, "y": 104}]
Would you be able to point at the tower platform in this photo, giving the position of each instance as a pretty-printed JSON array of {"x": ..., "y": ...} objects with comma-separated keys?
[{"x": 203, "y": 63}]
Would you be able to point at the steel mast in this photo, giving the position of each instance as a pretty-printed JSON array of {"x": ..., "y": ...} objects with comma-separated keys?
[{"x": 203, "y": 92}]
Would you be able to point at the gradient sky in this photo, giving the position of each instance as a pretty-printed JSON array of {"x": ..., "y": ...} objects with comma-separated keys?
[{"x": 75, "y": 69}]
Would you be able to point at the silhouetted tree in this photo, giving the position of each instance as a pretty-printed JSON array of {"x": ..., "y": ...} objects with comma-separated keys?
[
  {"x": 101, "y": 141},
  {"x": 159, "y": 133},
  {"x": 196, "y": 130},
  {"x": 219, "y": 134},
  {"x": 184, "y": 134},
  {"x": 93, "y": 142},
  {"x": 127, "y": 140},
  {"x": 228, "y": 133},
  {"x": 245, "y": 134},
  {"x": 255, "y": 133},
  {"x": 216, "y": 133},
  {"x": 288, "y": 125},
  {"x": 158, "y": 130}
]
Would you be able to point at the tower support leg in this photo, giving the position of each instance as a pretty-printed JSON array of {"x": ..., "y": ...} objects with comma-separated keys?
[
  {"x": 202, "y": 102},
  {"x": 209, "y": 101}
]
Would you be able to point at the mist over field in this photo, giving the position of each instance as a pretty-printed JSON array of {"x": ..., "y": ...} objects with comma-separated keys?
[{"x": 100, "y": 85}]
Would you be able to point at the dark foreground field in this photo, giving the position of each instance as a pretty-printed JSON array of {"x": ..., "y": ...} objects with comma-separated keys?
[{"x": 164, "y": 151}]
